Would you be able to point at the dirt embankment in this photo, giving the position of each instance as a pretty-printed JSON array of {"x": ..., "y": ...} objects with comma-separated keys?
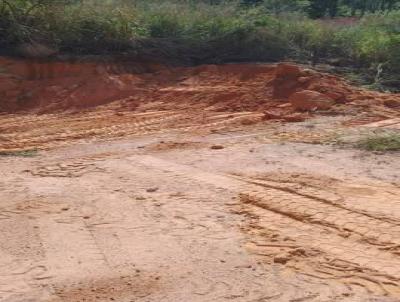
[
  {"x": 113, "y": 99},
  {"x": 52, "y": 86}
]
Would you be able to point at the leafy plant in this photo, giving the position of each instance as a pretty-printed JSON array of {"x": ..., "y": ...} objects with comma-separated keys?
[
  {"x": 381, "y": 142},
  {"x": 206, "y": 31}
]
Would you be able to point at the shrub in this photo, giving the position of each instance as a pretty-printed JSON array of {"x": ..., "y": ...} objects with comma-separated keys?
[
  {"x": 381, "y": 142},
  {"x": 206, "y": 31}
]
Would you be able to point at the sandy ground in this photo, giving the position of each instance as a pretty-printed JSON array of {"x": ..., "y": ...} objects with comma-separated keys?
[
  {"x": 251, "y": 214},
  {"x": 191, "y": 185}
]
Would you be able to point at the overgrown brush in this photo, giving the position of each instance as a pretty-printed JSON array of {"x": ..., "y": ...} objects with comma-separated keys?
[
  {"x": 194, "y": 32},
  {"x": 380, "y": 142}
]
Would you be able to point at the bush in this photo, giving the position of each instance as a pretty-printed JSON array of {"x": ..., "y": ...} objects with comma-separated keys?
[
  {"x": 382, "y": 142},
  {"x": 206, "y": 31}
]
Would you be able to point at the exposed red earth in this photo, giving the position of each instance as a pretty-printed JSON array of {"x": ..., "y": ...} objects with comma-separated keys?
[
  {"x": 125, "y": 181},
  {"x": 111, "y": 94}
]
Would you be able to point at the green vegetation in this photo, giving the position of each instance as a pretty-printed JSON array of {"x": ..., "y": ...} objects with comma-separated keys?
[
  {"x": 381, "y": 142},
  {"x": 22, "y": 153},
  {"x": 362, "y": 41}
]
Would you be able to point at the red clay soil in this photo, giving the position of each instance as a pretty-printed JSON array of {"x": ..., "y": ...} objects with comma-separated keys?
[
  {"x": 277, "y": 92},
  {"x": 56, "y": 86}
]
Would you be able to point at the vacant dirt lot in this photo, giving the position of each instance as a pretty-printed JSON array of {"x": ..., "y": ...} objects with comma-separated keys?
[{"x": 195, "y": 184}]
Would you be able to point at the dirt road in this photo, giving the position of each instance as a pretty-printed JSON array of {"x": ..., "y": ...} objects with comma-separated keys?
[
  {"x": 169, "y": 217},
  {"x": 195, "y": 189}
]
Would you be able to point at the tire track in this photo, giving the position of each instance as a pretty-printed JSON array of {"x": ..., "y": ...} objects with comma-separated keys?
[
  {"x": 385, "y": 205},
  {"x": 141, "y": 127},
  {"x": 311, "y": 223},
  {"x": 42, "y": 132},
  {"x": 317, "y": 210}
]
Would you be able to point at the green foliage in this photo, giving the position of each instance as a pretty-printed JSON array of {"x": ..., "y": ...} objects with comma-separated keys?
[
  {"x": 380, "y": 142},
  {"x": 319, "y": 8},
  {"x": 22, "y": 153},
  {"x": 195, "y": 31},
  {"x": 285, "y": 6}
]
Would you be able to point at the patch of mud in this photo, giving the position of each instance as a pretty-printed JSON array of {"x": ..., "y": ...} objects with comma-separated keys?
[
  {"x": 171, "y": 145},
  {"x": 70, "y": 168},
  {"x": 123, "y": 288},
  {"x": 65, "y": 170}
]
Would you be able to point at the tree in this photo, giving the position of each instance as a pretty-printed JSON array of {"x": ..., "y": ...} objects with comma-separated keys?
[
  {"x": 364, "y": 6},
  {"x": 251, "y": 2},
  {"x": 279, "y": 6},
  {"x": 319, "y": 8},
  {"x": 333, "y": 7}
]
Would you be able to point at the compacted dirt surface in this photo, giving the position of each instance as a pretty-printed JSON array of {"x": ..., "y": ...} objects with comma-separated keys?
[{"x": 216, "y": 183}]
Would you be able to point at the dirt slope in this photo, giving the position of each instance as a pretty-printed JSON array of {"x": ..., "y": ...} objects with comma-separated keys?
[{"x": 77, "y": 101}]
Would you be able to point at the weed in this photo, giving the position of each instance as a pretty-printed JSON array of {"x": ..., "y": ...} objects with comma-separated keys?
[
  {"x": 380, "y": 142},
  {"x": 20, "y": 153}
]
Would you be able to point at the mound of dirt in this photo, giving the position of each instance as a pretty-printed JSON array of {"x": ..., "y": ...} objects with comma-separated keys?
[
  {"x": 307, "y": 100},
  {"x": 29, "y": 85},
  {"x": 290, "y": 79},
  {"x": 114, "y": 99}
]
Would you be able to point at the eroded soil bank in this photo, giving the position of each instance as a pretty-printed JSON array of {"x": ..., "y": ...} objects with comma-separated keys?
[{"x": 212, "y": 183}]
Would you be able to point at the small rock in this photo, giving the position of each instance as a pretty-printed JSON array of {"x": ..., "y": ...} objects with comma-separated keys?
[
  {"x": 248, "y": 122},
  {"x": 307, "y": 100},
  {"x": 284, "y": 105},
  {"x": 304, "y": 79},
  {"x": 298, "y": 252},
  {"x": 281, "y": 259},
  {"x": 392, "y": 103},
  {"x": 152, "y": 190},
  {"x": 217, "y": 147},
  {"x": 140, "y": 198},
  {"x": 338, "y": 97},
  {"x": 294, "y": 118},
  {"x": 287, "y": 70}
]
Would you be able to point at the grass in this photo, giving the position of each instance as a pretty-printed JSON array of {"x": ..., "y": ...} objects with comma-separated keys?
[
  {"x": 21, "y": 153},
  {"x": 194, "y": 32},
  {"x": 380, "y": 142}
]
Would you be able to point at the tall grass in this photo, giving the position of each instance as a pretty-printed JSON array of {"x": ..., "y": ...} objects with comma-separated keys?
[{"x": 194, "y": 32}]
